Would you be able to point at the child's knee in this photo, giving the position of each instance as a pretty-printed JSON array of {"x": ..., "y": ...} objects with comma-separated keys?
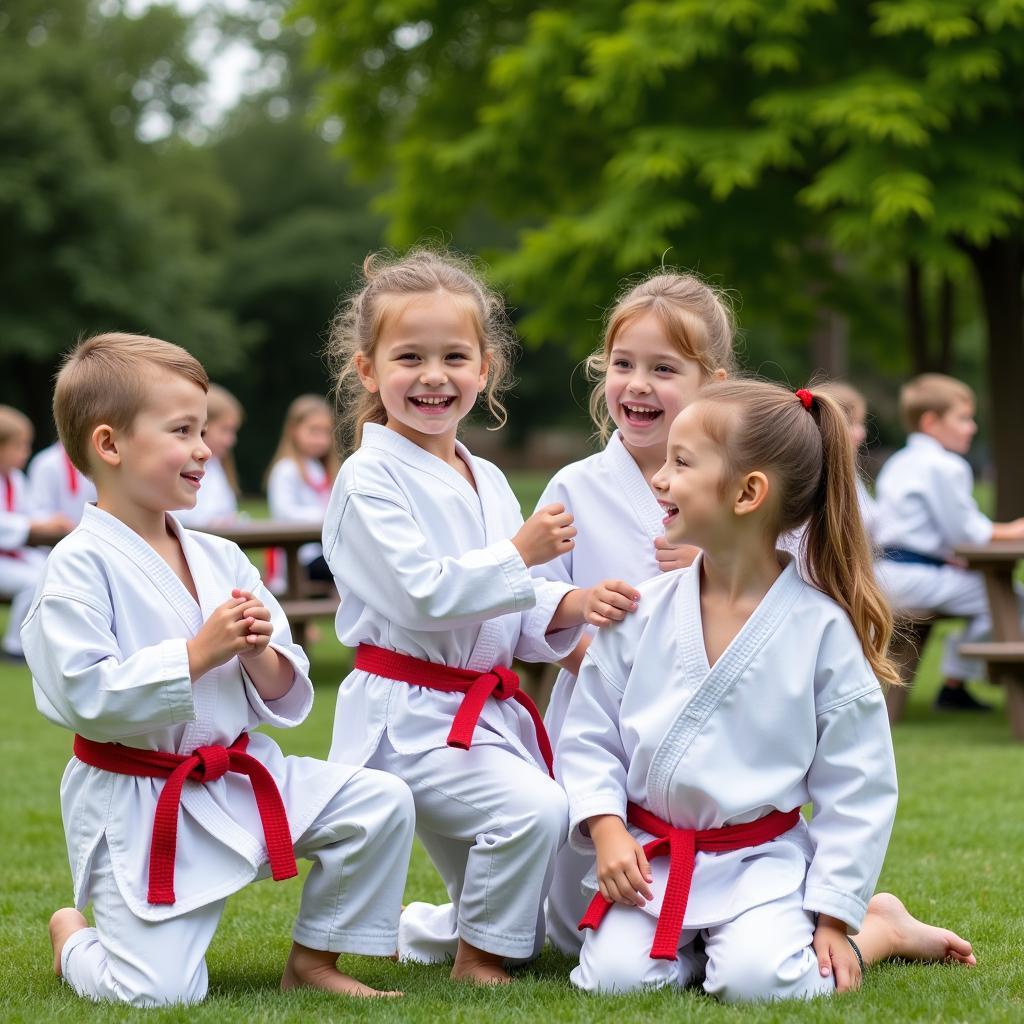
[
  {"x": 755, "y": 972},
  {"x": 550, "y": 813}
]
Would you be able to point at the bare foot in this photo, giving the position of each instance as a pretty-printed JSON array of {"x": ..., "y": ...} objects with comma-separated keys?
[
  {"x": 314, "y": 968},
  {"x": 912, "y": 939},
  {"x": 479, "y": 967},
  {"x": 64, "y": 923}
]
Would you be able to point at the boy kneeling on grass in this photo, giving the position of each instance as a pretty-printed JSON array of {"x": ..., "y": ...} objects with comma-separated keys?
[{"x": 161, "y": 649}]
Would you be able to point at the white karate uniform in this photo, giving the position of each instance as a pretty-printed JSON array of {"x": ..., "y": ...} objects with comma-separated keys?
[
  {"x": 56, "y": 486},
  {"x": 425, "y": 567},
  {"x": 618, "y": 519},
  {"x": 789, "y": 713},
  {"x": 216, "y": 501},
  {"x": 20, "y": 566},
  {"x": 106, "y": 642},
  {"x": 926, "y": 504}
]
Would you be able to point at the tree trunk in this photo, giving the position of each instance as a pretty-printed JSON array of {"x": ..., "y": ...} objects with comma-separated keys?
[
  {"x": 917, "y": 320},
  {"x": 946, "y": 317},
  {"x": 999, "y": 267}
]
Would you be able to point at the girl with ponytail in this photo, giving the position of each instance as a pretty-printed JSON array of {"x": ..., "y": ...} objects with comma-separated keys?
[{"x": 739, "y": 691}]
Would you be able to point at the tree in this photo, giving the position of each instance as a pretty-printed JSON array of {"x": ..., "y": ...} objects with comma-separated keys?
[
  {"x": 751, "y": 139},
  {"x": 94, "y": 239}
]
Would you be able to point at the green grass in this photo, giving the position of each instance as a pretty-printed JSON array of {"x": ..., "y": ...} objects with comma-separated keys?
[{"x": 954, "y": 859}]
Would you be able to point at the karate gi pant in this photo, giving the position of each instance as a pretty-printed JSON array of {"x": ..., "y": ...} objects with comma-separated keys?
[
  {"x": 18, "y": 579},
  {"x": 946, "y": 590},
  {"x": 567, "y": 902},
  {"x": 492, "y": 825},
  {"x": 762, "y": 954},
  {"x": 351, "y": 901}
]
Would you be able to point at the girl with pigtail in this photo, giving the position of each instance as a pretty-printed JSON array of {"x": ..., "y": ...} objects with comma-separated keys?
[{"x": 736, "y": 693}]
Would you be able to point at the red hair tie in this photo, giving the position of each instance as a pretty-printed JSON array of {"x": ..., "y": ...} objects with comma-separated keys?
[{"x": 806, "y": 397}]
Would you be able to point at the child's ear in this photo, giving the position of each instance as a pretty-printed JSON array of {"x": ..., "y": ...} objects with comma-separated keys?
[
  {"x": 928, "y": 421},
  {"x": 719, "y": 374},
  {"x": 753, "y": 493},
  {"x": 104, "y": 443},
  {"x": 485, "y": 369},
  {"x": 364, "y": 367}
]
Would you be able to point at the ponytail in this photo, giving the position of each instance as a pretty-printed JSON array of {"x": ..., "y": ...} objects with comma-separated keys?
[{"x": 804, "y": 439}]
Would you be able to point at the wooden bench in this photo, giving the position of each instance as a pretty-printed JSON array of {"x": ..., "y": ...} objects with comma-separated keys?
[
  {"x": 908, "y": 640},
  {"x": 1004, "y": 653},
  {"x": 302, "y": 599}
]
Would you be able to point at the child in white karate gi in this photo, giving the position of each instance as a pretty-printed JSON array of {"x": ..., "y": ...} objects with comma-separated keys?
[
  {"x": 664, "y": 338},
  {"x": 57, "y": 486},
  {"x": 161, "y": 650},
  {"x": 217, "y": 501},
  {"x": 22, "y": 528},
  {"x": 735, "y": 694},
  {"x": 432, "y": 558},
  {"x": 300, "y": 478},
  {"x": 925, "y": 509}
]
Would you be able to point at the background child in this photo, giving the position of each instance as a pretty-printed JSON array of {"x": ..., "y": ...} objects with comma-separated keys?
[
  {"x": 21, "y": 565},
  {"x": 217, "y": 501},
  {"x": 770, "y": 700},
  {"x": 664, "y": 338},
  {"x": 57, "y": 485},
  {"x": 926, "y": 508},
  {"x": 432, "y": 558},
  {"x": 137, "y": 641},
  {"x": 300, "y": 477}
]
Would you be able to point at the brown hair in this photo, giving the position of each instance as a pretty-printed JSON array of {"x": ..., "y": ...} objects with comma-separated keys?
[
  {"x": 764, "y": 426},
  {"x": 357, "y": 327},
  {"x": 697, "y": 320},
  {"x": 300, "y": 409},
  {"x": 220, "y": 403},
  {"x": 931, "y": 392},
  {"x": 14, "y": 424},
  {"x": 847, "y": 397},
  {"x": 104, "y": 379}
]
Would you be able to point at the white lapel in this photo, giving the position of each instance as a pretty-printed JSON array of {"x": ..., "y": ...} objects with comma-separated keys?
[
  {"x": 716, "y": 681},
  {"x": 635, "y": 486}
]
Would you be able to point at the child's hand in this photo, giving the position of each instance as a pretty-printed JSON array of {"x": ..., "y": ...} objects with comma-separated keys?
[
  {"x": 260, "y": 626},
  {"x": 670, "y": 556},
  {"x": 50, "y": 529},
  {"x": 224, "y": 635},
  {"x": 835, "y": 954},
  {"x": 623, "y": 874},
  {"x": 609, "y": 601},
  {"x": 547, "y": 534}
]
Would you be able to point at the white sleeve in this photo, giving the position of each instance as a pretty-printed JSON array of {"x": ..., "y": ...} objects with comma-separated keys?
[
  {"x": 535, "y": 643},
  {"x": 590, "y": 760},
  {"x": 89, "y": 685},
  {"x": 852, "y": 784},
  {"x": 378, "y": 552},
  {"x": 292, "y": 707},
  {"x": 43, "y": 487},
  {"x": 285, "y": 493},
  {"x": 558, "y": 569},
  {"x": 959, "y": 519},
  {"x": 14, "y": 530}
]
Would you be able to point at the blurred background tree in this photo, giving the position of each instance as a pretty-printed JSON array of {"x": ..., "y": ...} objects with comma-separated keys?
[{"x": 847, "y": 167}]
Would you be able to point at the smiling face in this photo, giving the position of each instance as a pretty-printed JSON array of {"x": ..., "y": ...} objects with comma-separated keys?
[
  {"x": 160, "y": 459},
  {"x": 222, "y": 434},
  {"x": 427, "y": 367},
  {"x": 648, "y": 383},
  {"x": 690, "y": 487}
]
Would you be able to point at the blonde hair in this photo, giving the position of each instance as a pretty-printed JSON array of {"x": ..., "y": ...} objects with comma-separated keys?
[
  {"x": 931, "y": 392},
  {"x": 697, "y": 321},
  {"x": 762, "y": 426},
  {"x": 220, "y": 403},
  {"x": 104, "y": 379},
  {"x": 357, "y": 328},
  {"x": 14, "y": 424},
  {"x": 301, "y": 409}
]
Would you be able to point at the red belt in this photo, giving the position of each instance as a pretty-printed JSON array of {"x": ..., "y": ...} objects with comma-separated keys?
[
  {"x": 498, "y": 682},
  {"x": 205, "y": 764},
  {"x": 680, "y": 846}
]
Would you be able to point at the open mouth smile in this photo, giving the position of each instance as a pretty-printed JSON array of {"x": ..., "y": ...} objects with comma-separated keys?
[
  {"x": 670, "y": 510},
  {"x": 432, "y": 405},
  {"x": 195, "y": 479},
  {"x": 639, "y": 415}
]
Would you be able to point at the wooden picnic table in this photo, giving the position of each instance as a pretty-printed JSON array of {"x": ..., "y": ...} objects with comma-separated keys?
[
  {"x": 1004, "y": 652},
  {"x": 300, "y": 600}
]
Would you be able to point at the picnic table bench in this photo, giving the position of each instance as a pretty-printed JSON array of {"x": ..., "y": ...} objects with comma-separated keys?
[
  {"x": 1004, "y": 652},
  {"x": 302, "y": 599}
]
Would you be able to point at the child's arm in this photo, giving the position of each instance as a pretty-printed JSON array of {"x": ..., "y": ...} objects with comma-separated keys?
[
  {"x": 623, "y": 874},
  {"x": 835, "y": 954},
  {"x": 1008, "y": 531},
  {"x": 600, "y": 605}
]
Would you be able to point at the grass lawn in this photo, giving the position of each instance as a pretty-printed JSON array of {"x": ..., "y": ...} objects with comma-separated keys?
[{"x": 953, "y": 860}]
